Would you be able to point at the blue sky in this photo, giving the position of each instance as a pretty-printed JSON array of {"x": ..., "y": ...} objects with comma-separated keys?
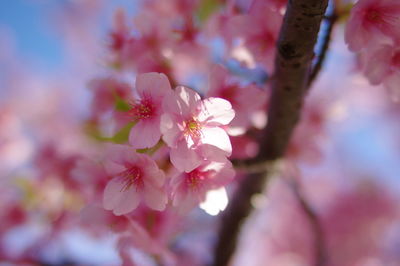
[{"x": 28, "y": 22}]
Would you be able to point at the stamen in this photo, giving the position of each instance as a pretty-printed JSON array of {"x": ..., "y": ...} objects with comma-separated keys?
[
  {"x": 192, "y": 129},
  {"x": 142, "y": 110}
]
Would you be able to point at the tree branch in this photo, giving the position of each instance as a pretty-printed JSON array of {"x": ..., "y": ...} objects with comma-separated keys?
[
  {"x": 319, "y": 243},
  {"x": 250, "y": 166},
  {"x": 233, "y": 218},
  {"x": 295, "y": 51},
  {"x": 256, "y": 165},
  {"x": 331, "y": 20}
]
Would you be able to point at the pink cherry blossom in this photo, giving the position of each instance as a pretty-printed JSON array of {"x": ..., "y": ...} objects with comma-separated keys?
[
  {"x": 247, "y": 101},
  {"x": 147, "y": 110},
  {"x": 189, "y": 189},
  {"x": 119, "y": 35},
  {"x": 372, "y": 21},
  {"x": 186, "y": 159},
  {"x": 105, "y": 91},
  {"x": 382, "y": 65},
  {"x": 190, "y": 122},
  {"x": 136, "y": 178},
  {"x": 143, "y": 52},
  {"x": 259, "y": 41}
]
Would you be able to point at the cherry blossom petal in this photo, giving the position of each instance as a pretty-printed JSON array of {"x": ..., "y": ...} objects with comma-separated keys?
[
  {"x": 182, "y": 198},
  {"x": 113, "y": 168},
  {"x": 119, "y": 153},
  {"x": 171, "y": 105},
  {"x": 170, "y": 130},
  {"x": 156, "y": 177},
  {"x": 224, "y": 173},
  {"x": 378, "y": 64},
  {"x": 184, "y": 202},
  {"x": 211, "y": 153},
  {"x": 355, "y": 35},
  {"x": 372, "y": 22},
  {"x": 216, "y": 111},
  {"x": 156, "y": 199},
  {"x": 185, "y": 159},
  {"x": 152, "y": 85},
  {"x": 215, "y": 202},
  {"x": 188, "y": 100},
  {"x": 217, "y": 137},
  {"x": 145, "y": 134},
  {"x": 117, "y": 199}
]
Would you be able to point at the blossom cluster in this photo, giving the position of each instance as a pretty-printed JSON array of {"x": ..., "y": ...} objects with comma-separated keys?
[
  {"x": 373, "y": 31},
  {"x": 193, "y": 129},
  {"x": 178, "y": 142},
  {"x": 167, "y": 147}
]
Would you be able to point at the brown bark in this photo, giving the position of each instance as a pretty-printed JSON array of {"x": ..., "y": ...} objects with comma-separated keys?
[
  {"x": 292, "y": 68},
  {"x": 295, "y": 51}
]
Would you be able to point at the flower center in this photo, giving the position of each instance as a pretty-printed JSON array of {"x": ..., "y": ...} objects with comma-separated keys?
[
  {"x": 142, "y": 110},
  {"x": 195, "y": 179},
  {"x": 373, "y": 16},
  {"x": 192, "y": 129},
  {"x": 117, "y": 41},
  {"x": 132, "y": 176}
]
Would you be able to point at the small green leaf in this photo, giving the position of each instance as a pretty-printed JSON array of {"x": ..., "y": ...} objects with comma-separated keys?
[
  {"x": 152, "y": 150},
  {"x": 206, "y": 8},
  {"x": 120, "y": 104},
  {"x": 122, "y": 135},
  {"x": 92, "y": 130}
]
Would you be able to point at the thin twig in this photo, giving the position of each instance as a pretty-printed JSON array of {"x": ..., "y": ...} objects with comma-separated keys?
[
  {"x": 319, "y": 243},
  {"x": 331, "y": 20},
  {"x": 250, "y": 166},
  {"x": 295, "y": 50}
]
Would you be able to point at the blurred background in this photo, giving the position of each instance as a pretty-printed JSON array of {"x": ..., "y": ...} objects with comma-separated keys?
[{"x": 50, "y": 50}]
